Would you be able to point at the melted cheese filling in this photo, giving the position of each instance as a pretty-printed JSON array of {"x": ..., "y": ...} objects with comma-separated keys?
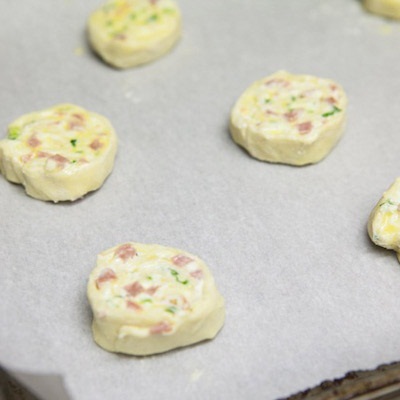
[
  {"x": 137, "y": 19},
  {"x": 387, "y": 223},
  {"x": 62, "y": 137},
  {"x": 289, "y": 105},
  {"x": 160, "y": 287}
]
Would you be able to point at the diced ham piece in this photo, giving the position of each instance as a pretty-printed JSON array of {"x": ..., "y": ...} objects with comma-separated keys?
[
  {"x": 26, "y": 157},
  {"x": 151, "y": 290},
  {"x": 134, "y": 289},
  {"x": 269, "y": 112},
  {"x": 153, "y": 2},
  {"x": 180, "y": 302},
  {"x": 292, "y": 115},
  {"x": 305, "y": 127},
  {"x": 184, "y": 303},
  {"x": 331, "y": 100},
  {"x": 107, "y": 275},
  {"x": 78, "y": 116},
  {"x": 59, "y": 159},
  {"x": 33, "y": 141},
  {"x": 74, "y": 125},
  {"x": 120, "y": 36},
  {"x": 55, "y": 123},
  {"x": 125, "y": 252},
  {"x": 96, "y": 144},
  {"x": 162, "y": 327},
  {"x": 277, "y": 82},
  {"x": 133, "y": 306},
  {"x": 77, "y": 121},
  {"x": 198, "y": 274},
  {"x": 43, "y": 154},
  {"x": 180, "y": 260}
]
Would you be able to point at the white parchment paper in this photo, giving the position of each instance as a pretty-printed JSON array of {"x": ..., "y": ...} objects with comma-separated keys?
[{"x": 308, "y": 296}]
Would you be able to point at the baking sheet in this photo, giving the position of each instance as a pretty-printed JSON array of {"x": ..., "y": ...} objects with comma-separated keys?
[{"x": 308, "y": 296}]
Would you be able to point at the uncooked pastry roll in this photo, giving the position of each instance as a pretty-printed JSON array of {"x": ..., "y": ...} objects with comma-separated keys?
[
  {"x": 291, "y": 119},
  {"x": 126, "y": 33},
  {"x": 149, "y": 299},
  {"x": 384, "y": 221},
  {"x": 60, "y": 153},
  {"x": 387, "y": 8}
]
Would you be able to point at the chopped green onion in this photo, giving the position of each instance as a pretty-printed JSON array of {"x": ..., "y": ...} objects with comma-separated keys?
[
  {"x": 334, "y": 111},
  {"x": 176, "y": 275},
  {"x": 171, "y": 310},
  {"x": 387, "y": 202},
  {"x": 152, "y": 18},
  {"x": 13, "y": 132},
  {"x": 73, "y": 142}
]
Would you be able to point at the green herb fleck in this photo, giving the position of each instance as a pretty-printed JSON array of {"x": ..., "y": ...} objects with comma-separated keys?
[
  {"x": 176, "y": 275},
  {"x": 168, "y": 10},
  {"x": 266, "y": 101},
  {"x": 171, "y": 310},
  {"x": 293, "y": 98},
  {"x": 152, "y": 18},
  {"x": 73, "y": 161},
  {"x": 73, "y": 142},
  {"x": 13, "y": 132},
  {"x": 334, "y": 111},
  {"x": 109, "y": 23},
  {"x": 146, "y": 301},
  {"x": 150, "y": 278},
  {"x": 132, "y": 16},
  {"x": 390, "y": 202}
]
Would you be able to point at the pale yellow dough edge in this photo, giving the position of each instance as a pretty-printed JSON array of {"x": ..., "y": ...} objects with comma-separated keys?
[
  {"x": 285, "y": 150},
  {"x": 375, "y": 223},
  {"x": 204, "y": 323},
  {"x": 61, "y": 185},
  {"x": 132, "y": 53},
  {"x": 205, "y": 326},
  {"x": 386, "y": 8}
]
